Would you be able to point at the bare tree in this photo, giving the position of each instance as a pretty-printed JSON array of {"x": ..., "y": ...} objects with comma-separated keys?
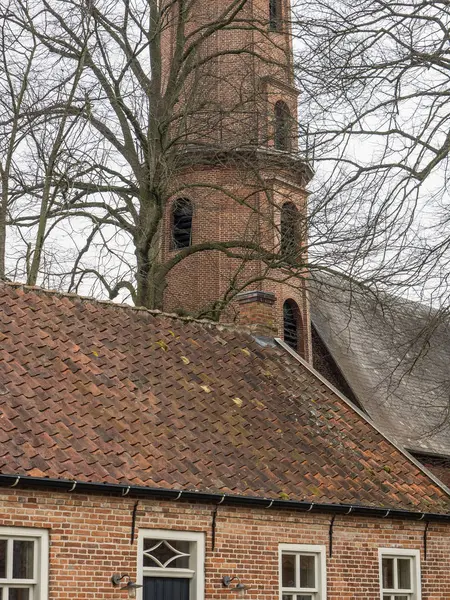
[
  {"x": 375, "y": 78},
  {"x": 17, "y": 62},
  {"x": 35, "y": 149},
  {"x": 138, "y": 108},
  {"x": 140, "y": 100}
]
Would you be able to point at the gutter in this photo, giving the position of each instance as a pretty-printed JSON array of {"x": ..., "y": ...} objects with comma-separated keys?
[{"x": 67, "y": 485}]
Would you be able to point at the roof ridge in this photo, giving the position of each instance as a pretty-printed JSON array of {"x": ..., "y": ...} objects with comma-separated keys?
[{"x": 123, "y": 306}]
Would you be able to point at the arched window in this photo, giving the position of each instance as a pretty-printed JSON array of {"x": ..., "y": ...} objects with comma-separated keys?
[
  {"x": 289, "y": 231},
  {"x": 274, "y": 15},
  {"x": 292, "y": 330},
  {"x": 282, "y": 136},
  {"x": 181, "y": 223}
]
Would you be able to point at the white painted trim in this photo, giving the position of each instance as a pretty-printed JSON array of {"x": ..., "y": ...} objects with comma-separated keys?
[
  {"x": 41, "y": 558},
  {"x": 363, "y": 415},
  {"x": 319, "y": 551},
  {"x": 393, "y": 552},
  {"x": 158, "y": 572},
  {"x": 197, "y": 576}
]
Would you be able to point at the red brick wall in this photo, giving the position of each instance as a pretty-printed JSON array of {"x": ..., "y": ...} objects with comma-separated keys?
[
  {"x": 90, "y": 541},
  {"x": 236, "y": 84},
  {"x": 200, "y": 279}
]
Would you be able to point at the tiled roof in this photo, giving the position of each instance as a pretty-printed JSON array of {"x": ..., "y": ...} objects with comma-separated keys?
[
  {"x": 395, "y": 355},
  {"x": 97, "y": 392}
]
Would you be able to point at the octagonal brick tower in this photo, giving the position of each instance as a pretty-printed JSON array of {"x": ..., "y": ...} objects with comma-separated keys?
[{"x": 239, "y": 168}]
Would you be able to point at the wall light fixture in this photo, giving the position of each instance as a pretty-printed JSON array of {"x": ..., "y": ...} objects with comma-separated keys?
[{"x": 130, "y": 586}]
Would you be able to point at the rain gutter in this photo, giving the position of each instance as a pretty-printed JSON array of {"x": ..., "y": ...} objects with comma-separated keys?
[{"x": 67, "y": 485}]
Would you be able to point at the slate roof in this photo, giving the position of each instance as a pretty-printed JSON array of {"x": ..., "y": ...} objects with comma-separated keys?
[
  {"x": 98, "y": 392},
  {"x": 395, "y": 356}
]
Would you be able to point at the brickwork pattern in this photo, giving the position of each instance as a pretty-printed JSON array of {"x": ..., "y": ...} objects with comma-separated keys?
[
  {"x": 237, "y": 98},
  {"x": 197, "y": 281},
  {"x": 90, "y": 541}
]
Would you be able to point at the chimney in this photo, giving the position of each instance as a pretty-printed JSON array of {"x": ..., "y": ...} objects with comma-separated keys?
[{"x": 256, "y": 312}]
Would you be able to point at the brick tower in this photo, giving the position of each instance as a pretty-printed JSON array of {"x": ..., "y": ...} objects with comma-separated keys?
[{"x": 239, "y": 176}]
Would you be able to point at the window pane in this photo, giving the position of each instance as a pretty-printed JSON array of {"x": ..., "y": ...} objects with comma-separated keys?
[
  {"x": 167, "y": 553},
  {"x": 307, "y": 572},
  {"x": 3, "y": 558},
  {"x": 273, "y": 14},
  {"x": 286, "y": 597},
  {"x": 23, "y": 555},
  {"x": 291, "y": 329},
  {"x": 182, "y": 223},
  {"x": 303, "y": 597},
  {"x": 401, "y": 597},
  {"x": 388, "y": 573},
  {"x": 404, "y": 574},
  {"x": 288, "y": 571},
  {"x": 289, "y": 230},
  {"x": 19, "y": 594}
]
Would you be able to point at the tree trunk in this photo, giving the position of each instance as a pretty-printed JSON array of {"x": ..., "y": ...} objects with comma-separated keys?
[
  {"x": 150, "y": 281},
  {"x": 3, "y": 205}
]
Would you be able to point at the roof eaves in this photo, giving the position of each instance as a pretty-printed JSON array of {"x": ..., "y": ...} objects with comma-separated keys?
[
  {"x": 363, "y": 415},
  {"x": 125, "y": 489}
]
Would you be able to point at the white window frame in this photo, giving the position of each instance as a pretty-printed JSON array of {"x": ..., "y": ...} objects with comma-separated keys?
[
  {"x": 39, "y": 584},
  {"x": 197, "y": 575},
  {"x": 321, "y": 567},
  {"x": 414, "y": 555}
]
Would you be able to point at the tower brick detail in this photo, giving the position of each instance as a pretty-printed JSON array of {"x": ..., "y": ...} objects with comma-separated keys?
[
  {"x": 239, "y": 164},
  {"x": 256, "y": 311}
]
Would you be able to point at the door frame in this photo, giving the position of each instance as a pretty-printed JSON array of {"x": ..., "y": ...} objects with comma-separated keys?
[{"x": 197, "y": 575}]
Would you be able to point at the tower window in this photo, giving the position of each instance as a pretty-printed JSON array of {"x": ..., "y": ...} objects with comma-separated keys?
[
  {"x": 182, "y": 223},
  {"x": 274, "y": 15},
  {"x": 292, "y": 333},
  {"x": 282, "y": 136},
  {"x": 289, "y": 231}
]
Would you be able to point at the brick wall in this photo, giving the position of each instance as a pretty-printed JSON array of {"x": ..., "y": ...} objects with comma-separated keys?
[
  {"x": 240, "y": 201},
  {"x": 90, "y": 541},
  {"x": 197, "y": 281}
]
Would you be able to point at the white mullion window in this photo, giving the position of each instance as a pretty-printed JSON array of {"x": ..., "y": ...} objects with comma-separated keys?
[
  {"x": 23, "y": 564},
  {"x": 302, "y": 572},
  {"x": 399, "y": 574}
]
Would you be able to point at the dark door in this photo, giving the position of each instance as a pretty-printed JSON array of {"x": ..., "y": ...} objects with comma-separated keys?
[{"x": 166, "y": 588}]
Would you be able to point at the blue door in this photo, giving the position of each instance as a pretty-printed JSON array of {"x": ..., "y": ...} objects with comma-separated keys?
[{"x": 166, "y": 588}]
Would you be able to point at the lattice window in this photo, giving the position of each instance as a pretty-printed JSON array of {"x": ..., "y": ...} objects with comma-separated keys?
[
  {"x": 166, "y": 553},
  {"x": 172, "y": 564}
]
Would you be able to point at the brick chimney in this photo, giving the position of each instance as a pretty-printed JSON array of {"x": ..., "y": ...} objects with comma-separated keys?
[{"x": 256, "y": 312}]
